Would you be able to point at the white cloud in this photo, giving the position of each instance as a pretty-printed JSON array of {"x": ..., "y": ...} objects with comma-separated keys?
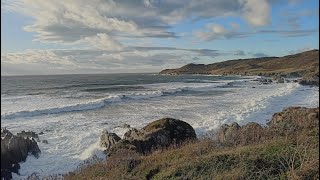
[
  {"x": 216, "y": 31},
  {"x": 104, "y": 42},
  {"x": 74, "y": 20},
  {"x": 66, "y": 61},
  {"x": 256, "y": 12}
]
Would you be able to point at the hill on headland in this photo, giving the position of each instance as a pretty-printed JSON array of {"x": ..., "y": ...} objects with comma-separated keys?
[{"x": 296, "y": 65}]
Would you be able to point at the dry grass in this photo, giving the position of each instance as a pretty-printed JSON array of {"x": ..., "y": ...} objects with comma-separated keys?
[{"x": 273, "y": 159}]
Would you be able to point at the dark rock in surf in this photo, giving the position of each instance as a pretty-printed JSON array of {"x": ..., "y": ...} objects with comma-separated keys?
[
  {"x": 29, "y": 134},
  {"x": 15, "y": 149}
]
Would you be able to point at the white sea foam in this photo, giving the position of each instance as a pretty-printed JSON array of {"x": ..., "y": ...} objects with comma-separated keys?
[{"x": 157, "y": 90}]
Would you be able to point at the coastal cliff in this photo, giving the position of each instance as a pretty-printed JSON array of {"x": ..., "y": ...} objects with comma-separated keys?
[{"x": 305, "y": 64}]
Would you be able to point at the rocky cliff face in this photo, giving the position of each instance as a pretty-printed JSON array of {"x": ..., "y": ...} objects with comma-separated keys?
[
  {"x": 15, "y": 149},
  {"x": 296, "y": 65}
]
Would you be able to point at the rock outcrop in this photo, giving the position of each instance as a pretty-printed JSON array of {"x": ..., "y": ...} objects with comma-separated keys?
[
  {"x": 29, "y": 134},
  {"x": 311, "y": 79},
  {"x": 156, "y": 135},
  {"x": 15, "y": 149},
  {"x": 107, "y": 140},
  {"x": 235, "y": 135},
  {"x": 290, "y": 121},
  {"x": 293, "y": 120}
]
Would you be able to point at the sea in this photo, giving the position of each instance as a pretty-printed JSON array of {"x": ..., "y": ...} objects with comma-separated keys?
[{"x": 73, "y": 110}]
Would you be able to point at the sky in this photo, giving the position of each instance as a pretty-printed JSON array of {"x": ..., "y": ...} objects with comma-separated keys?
[{"x": 136, "y": 36}]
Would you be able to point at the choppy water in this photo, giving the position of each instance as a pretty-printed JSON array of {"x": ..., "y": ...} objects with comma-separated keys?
[{"x": 72, "y": 110}]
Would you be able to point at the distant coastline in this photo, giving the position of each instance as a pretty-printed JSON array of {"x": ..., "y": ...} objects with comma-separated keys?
[{"x": 291, "y": 65}]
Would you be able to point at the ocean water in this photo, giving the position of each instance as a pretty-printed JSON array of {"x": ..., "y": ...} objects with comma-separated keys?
[{"x": 72, "y": 110}]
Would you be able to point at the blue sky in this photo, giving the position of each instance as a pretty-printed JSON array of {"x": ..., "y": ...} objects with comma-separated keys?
[{"x": 108, "y": 36}]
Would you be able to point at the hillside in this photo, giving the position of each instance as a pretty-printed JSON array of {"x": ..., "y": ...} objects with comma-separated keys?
[{"x": 296, "y": 65}]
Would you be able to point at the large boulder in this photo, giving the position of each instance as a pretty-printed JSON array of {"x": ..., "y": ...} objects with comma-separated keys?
[
  {"x": 156, "y": 135},
  {"x": 310, "y": 81},
  {"x": 15, "y": 149}
]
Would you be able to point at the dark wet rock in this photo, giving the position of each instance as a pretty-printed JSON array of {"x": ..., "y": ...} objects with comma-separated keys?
[
  {"x": 265, "y": 81},
  {"x": 45, "y": 141},
  {"x": 107, "y": 140},
  {"x": 41, "y": 133},
  {"x": 156, "y": 135},
  {"x": 15, "y": 149},
  {"x": 311, "y": 79},
  {"x": 279, "y": 79}
]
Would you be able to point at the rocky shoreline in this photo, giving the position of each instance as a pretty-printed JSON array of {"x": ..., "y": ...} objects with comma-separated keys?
[
  {"x": 293, "y": 124},
  {"x": 166, "y": 133},
  {"x": 15, "y": 149}
]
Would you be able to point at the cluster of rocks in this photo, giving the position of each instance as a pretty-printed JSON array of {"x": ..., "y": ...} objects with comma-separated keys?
[
  {"x": 165, "y": 132},
  {"x": 15, "y": 149},
  {"x": 311, "y": 79},
  {"x": 288, "y": 122},
  {"x": 265, "y": 81},
  {"x": 156, "y": 135}
]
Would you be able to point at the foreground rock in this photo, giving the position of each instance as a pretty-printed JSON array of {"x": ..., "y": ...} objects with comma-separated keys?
[
  {"x": 291, "y": 121},
  {"x": 156, "y": 135},
  {"x": 15, "y": 149}
]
